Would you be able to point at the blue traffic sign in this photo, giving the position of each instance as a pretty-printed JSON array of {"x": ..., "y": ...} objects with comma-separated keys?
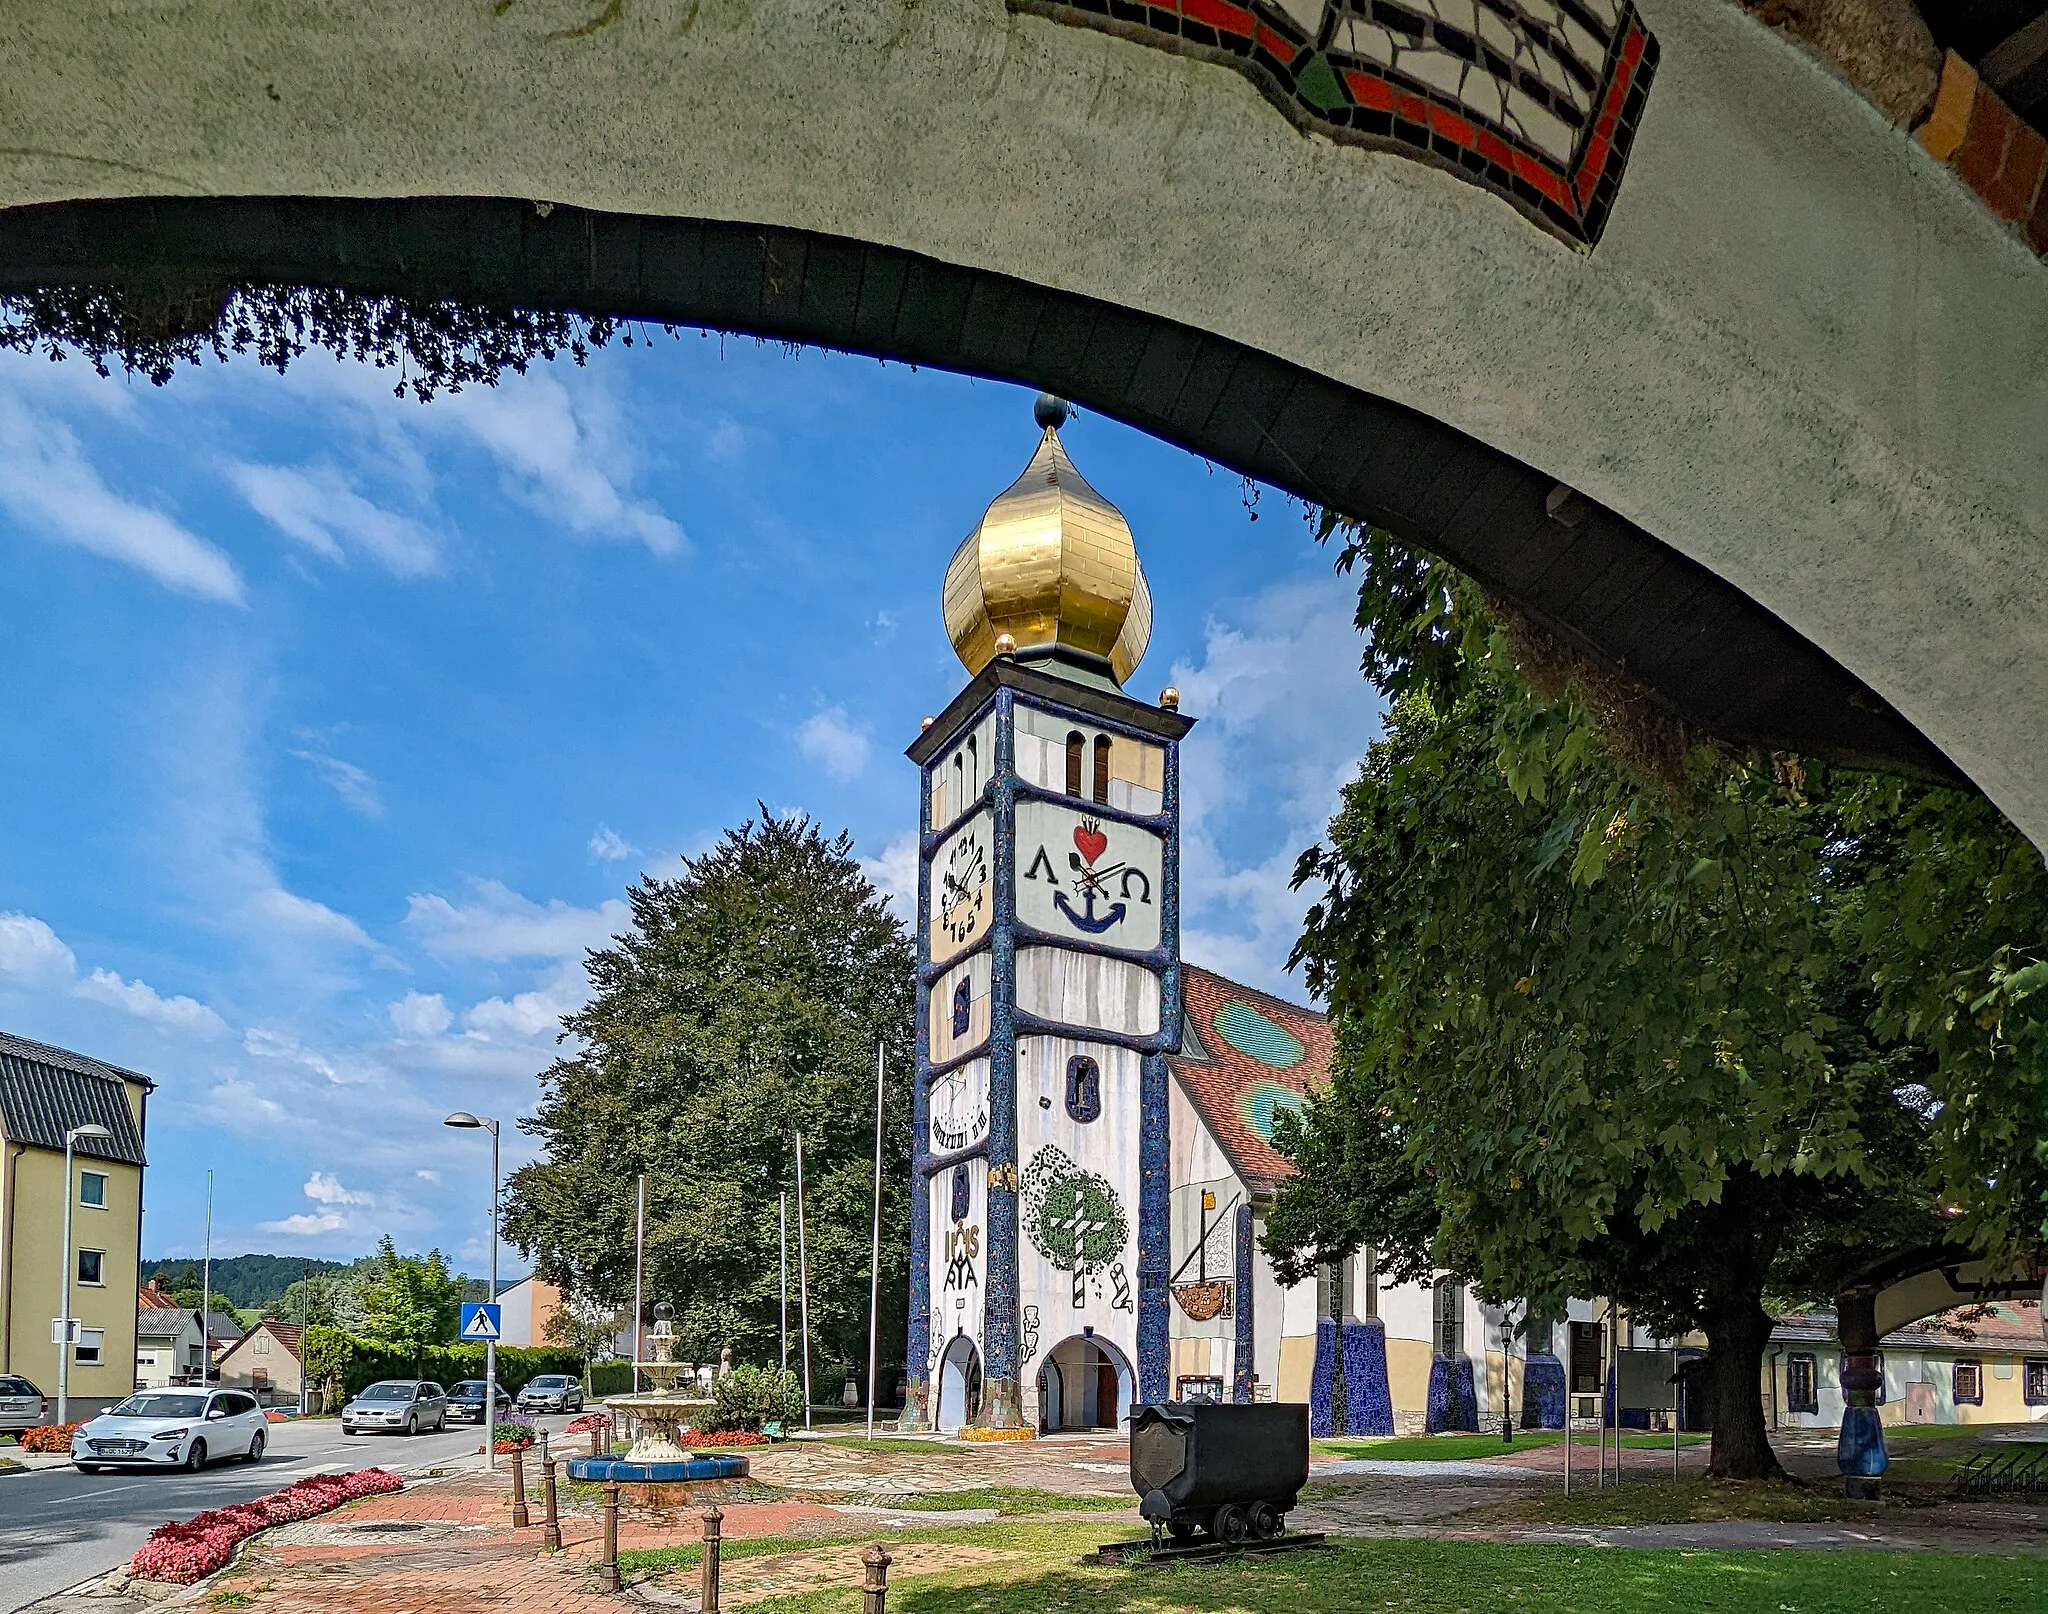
[{"x": 481, "y": 1322}]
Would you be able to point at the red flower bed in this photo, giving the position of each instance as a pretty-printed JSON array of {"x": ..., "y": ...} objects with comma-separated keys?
[
  {"x": 712, "y": 1439},
  {"x": 183, "y": 1553},
  {"x": 586, "y": 1423},
  {"x": 48, "y": 1437}
]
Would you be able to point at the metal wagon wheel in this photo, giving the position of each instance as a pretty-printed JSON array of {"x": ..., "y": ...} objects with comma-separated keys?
[
  {"x": 1266, "y": 1521},
  {"x": 1230, "y": 1525}
]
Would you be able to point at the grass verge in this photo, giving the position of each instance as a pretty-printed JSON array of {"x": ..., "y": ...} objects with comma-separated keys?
[
  {"x": 1012, "y": 1499},
  {"x": 1697, "y": 1500},
  {"x": 1468, "y": 1448}
]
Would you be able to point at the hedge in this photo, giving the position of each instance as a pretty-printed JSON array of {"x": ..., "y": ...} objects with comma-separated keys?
[
  {"x": 332, "y": 1354},
  {"x": 611, "y": 1378}
]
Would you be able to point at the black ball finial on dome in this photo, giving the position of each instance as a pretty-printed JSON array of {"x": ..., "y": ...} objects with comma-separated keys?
[{"x": 1049, "y": 412}]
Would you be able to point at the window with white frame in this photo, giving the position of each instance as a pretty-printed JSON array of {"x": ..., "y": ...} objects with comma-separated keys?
[
  {"x": 87, "y": 1351},
  {"x": 2035, "y": 1386},
  {"x": 262, "y": 1345},
  {"x": 92, "y": 1189},
  {"x": 1802, "y": 1382},
  {"x": 92, "y": 1267},
  {"x": 1968, "y": 1388}
]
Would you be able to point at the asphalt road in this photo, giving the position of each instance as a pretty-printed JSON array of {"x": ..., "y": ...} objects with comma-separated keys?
[{"x": 59, "y": 1527}]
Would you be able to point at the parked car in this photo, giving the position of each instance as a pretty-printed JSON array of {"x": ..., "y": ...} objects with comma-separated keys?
[
  {"x": 172, "y": 1429},
  {"x": 22, "y": 1405},
  {"x": 466, "y": 1402},
  {"x": 552, "y": 1392},
  {"x": 396, "y": 1406}
]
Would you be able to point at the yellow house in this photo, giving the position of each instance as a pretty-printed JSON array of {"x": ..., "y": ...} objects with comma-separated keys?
[{"x": 45, "y": 1093}]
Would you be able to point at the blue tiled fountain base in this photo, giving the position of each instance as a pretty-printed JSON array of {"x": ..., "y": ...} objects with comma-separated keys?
[{"x": 600, "y": 1469}]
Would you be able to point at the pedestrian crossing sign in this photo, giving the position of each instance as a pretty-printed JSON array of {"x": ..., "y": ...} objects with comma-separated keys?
[{"x": 481, "y": 1322}]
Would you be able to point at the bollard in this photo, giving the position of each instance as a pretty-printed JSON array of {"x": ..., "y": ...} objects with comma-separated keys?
[
  {"x": 594, "y": 1431},
  {"x": 708, "y": 1600},
  {"x": 874, "y": 1586},
  {"x": 608, "y": 1563},
  {"x": 551, "y": 1525},
  {"x": 519, "y": 1516}
]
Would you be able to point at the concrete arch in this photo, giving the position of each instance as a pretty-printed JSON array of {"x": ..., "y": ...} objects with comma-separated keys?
[
  {"x": 959, "y": 1392},
  {"x": 1772, "y": 445},
  {"x": 1071, "y": 1381}
]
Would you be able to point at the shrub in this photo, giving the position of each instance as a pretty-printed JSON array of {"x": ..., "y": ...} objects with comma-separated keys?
[
  {"x": 748, "y": 1397},
  {"x": 48, "y": 1437},
  {"x": 508, "y": 1436},
  {"x": 183, "y": 1553}
]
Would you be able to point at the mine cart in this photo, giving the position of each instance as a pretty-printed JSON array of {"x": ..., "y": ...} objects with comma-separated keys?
[{"x": 1232, "y": 1470}]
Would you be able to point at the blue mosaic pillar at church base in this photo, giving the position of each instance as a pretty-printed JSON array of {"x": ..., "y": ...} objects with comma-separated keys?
[
  {"x": 1453, "y": 1402},
  {"x": 1543, "y": 1392},
  {"x": 1368, "y": 1399}
]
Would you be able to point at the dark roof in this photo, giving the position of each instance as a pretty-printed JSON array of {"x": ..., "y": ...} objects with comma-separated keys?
[
  {"x": 46, "y": 1091},
  {"x": 163, "y": 1322},
  {"x": 219, "y": 1325},
  {"x": 2004, "y": 1325},
  {"x": 1245, "y": 1056}
]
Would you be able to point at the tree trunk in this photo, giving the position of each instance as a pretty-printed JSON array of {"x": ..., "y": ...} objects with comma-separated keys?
[{"x": 1737, "y": 1331}]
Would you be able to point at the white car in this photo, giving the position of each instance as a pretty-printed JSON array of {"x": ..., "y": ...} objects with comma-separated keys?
[
  {"x": 172, "y": 1429},
  {"x": 22, "y": 1405},
  {"x": 396, "y": 1406}
]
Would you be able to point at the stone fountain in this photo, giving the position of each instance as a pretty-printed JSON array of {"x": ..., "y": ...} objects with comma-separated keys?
[{"x": 659, "y": 1455}]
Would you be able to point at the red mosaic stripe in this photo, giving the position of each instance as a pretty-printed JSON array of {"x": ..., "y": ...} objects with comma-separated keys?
[
  {"x": 1602, "y": 143},
  {"x": 1452, "y": 127},
  {"x": 1374, "y": 94},
  {"x": 1224, "y": 18},
  {"x": 1276, "y": 44}
]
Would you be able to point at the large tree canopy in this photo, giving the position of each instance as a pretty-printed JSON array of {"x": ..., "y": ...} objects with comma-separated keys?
[
  {"x": 742, "y": 1007},
  {"x": 1620, "y": 1014}
]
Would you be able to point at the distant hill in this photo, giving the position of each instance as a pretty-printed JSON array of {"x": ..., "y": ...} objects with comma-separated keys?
[{"x": 245, "y": 1280}]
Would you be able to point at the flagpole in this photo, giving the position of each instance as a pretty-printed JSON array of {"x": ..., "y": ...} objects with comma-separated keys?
[
  {"x": 205, "y": 1295},
  {"x": 875, "y": 1247},
  {"x": 803, "y": 1277},
  {"x": 639, "y": 1272},
  {"x": 782, "y": 1227}
]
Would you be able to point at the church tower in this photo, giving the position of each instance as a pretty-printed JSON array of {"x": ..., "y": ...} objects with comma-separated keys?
[{"x": 1049, "y": 988}]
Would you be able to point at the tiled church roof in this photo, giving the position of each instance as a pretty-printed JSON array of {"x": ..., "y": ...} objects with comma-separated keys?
[{"x": 1245, "y": 1056}]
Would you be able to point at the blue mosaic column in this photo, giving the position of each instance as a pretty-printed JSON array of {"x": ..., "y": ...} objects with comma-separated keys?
[
  {"x": 1242, "y": 1358},
  {"x": 917, "y": 1340},
  {"x": 1001, "y": 1405},
  {"x": 1155, "y": 1186}
]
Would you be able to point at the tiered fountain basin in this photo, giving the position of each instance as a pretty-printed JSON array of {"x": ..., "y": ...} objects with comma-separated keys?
[{"x": 660, "y": 1454}]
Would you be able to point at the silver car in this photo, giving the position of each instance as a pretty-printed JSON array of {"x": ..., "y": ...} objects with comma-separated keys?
[
  {"x": 22, "y": 1405},
  {"x": 396, "y": 1406},
  {"x": 172, "y": 1429}
]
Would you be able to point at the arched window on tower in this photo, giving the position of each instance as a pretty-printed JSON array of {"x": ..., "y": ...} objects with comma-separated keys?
[
  {"x": 973, "y": 766},
  {"x": 959, "y": 795},
  {"x": 1084, "y": 1088},
  {"x": 963, "y": 1007},
  {"x": 1076, "y": 746},
  {"x": 959, "y": 1193},
  {"x": 1102, "y": 768}
]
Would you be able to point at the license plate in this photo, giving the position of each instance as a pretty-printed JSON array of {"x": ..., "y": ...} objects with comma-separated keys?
[{"x": 108, "y": 1448}]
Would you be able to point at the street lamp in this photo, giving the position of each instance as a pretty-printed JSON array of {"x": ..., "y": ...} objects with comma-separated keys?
[
  {"x": 464, "y": 1120},
  {"x": 90, "y": 1130}
]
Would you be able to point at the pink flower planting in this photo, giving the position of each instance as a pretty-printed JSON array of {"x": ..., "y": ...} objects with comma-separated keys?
[
  {"x": 183, "y": 1553},
  {"x": 586, "y": 1423}
]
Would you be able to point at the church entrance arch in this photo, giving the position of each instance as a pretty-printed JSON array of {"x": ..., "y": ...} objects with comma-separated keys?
[
  {"x": 959, "y": 1386},
  {"x": 1084, "y": 1383}
]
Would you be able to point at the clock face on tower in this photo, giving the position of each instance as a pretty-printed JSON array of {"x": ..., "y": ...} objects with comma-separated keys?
[
  {"x": 962, "y": 893},
  {"x": 1088, "y": 878},
  {"x": 960, "y": 1107}
]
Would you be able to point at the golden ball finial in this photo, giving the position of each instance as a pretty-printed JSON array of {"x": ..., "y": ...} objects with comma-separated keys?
[
  {"x": 925, "y": 724},
  {"x": 1050, "y": 564},
  {"x": 1169, "y": 699},
  {"x": 1006, "y": 645}
]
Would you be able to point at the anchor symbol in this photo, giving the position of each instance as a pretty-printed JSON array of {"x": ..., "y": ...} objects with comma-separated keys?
[
  {"x": 1087, "y": 920},
  {"x": 1090, "y": 844}
]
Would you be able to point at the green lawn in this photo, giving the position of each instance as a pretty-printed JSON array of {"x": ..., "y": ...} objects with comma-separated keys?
[
  {"x": 892, "y": 1444},
  {"x": 1698, "y": 1500},
  {"x": 1013, "y": 1499},
  {"x": 1432, "y": 1577},
  {"x": 1464, "y": 1448}
]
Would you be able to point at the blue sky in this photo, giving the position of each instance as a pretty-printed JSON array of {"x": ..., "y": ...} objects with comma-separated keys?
[{"x": 341, "y": 723}]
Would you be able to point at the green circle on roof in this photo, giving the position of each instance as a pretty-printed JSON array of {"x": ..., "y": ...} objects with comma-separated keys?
[
  {"x": 1253, "y": 1035},
  {"x": 1263, "y": 1101}
]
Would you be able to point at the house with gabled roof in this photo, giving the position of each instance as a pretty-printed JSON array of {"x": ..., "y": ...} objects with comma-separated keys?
[{"x": 265, "y": 1360}]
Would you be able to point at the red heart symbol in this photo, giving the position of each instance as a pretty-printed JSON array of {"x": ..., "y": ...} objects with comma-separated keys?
[{"x": 1090, "y": 842}]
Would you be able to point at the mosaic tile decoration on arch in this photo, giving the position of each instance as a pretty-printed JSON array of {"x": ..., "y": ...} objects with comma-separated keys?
[{"x": 1535, "y": 100}]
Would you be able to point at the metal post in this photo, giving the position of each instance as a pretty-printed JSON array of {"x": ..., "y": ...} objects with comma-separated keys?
[
  {"x": 1674, "y": 1413},
  {"x": 803, "y": 1276},
  {"x": 875, "y": 1249},
  {"x": 520, "y": 1518},
  {"x": 608, "y": 1563},
  {"x": 708, "y": 1592},
  {"x": 874, "y": 1585},
  {"x": 782, "y": 1223},
  {"x": 64, "y": 1290},
  {"x": 491, "y": 1346},
  {"x": 639, "y": 1274},
  {"x": 205, "y": 1296},
  {"x": 551, "y": 1518}
]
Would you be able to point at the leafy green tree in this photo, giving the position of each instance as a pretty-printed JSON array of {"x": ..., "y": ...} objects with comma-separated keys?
[
  {"x": 744, "y": 1005},
  {"x": 411, "y": 1302},
  {"x": 1607, "y": 1017}
]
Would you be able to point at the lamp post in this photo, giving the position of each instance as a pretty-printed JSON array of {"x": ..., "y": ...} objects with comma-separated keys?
[
  {"x": 464, "y": 1120},
  {"x": 90, "y": 1130}
]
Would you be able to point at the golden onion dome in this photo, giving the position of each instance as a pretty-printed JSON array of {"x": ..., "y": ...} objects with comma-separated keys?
[{"x": 1052, "y": 564}]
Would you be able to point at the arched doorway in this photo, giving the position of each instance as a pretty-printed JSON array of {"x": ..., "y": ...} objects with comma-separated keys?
[
  {"x": 959, "y": 1385},
  {"x": 1084, "y": 1383}
]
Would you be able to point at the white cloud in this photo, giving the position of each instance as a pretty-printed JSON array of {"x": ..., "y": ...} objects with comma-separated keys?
[
  {"x": 143, "y": 1001},
  {"x": 273, "y": 905},
  {"x": 501, "y": 924},
  {"x": 319, "y": 508},
  {"x": 560, "y": 456},
  {"x": 355, "y": 787},
  {"x": 47, "y": 484},
  {"x": 32, "y": 952},
  {"x": 609, "y": 845},
  {"x": 324, "y": 1188},
  {"x": 828, "y": 739},
  {"x": 894, "y": 874},
  {"x": 726, "y": 440},
  {"x": 427, "y": 1176},
  {"x": 304, "y": 1226},
  {"x": 421, "y": 1014},
  {"x": 1285, "y": 717}
]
